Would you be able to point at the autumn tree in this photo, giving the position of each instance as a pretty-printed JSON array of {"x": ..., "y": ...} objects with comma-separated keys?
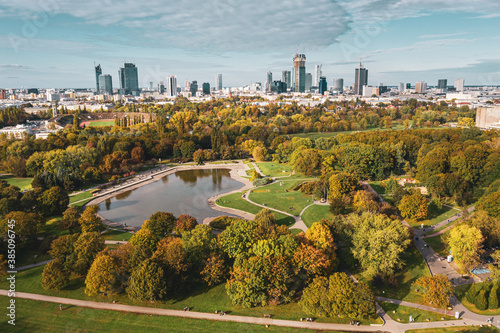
[
  {"x": 489, "y": 226},
  {"x": 239, "y": 237},
  {"x": 70, "y": 219},
  {"x": 54, "y": 275},
  {"x": 214, "y": 271},
  {"x": 54, "y": 201},
  {"x": 185, "y": 223},
  {"x": 341, "y": 184},
  {"x": 145, "y": 237},
  {"x": 436, "y": 289},
  {"x": 465, "y": 243},
  {"x": 258, "y": 154},
  {"x": 413, "y": 206},
  {"x": 364, "y": 201},
  {"x": 102, "y": 277},
  {"x": 25, "y": 226},
  {"x": 161, "y": 224},
  {"x": 86, "y": 247},
  {"x": 199, "y": 243},
  {"x": 89, "y": 221},
  {"x": 147, "y": 282},
  {"x": 489, "y": 203}
]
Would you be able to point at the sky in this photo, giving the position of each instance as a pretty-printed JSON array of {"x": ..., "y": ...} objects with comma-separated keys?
[{"x": 54, "y": 43}]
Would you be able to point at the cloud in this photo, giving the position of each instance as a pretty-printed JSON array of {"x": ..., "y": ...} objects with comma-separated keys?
[
  {"x": 14, "y": 66},
  {"x": 430, "y": 44},
  {"x": 226, "y": 25},
  {"x": 442, "y": 36}
]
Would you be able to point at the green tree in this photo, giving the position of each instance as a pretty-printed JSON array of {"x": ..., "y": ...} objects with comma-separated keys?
[
  {"x": 102, "y": 276},
  {"x": 341, "y": 184},
  {"x": 89, "y": 221},
  {"x": 86, "y": 247},
  {"x": 378, "y": 244},
  {"x": 161, "y": 224},
  {"x": 413, "y": 206},
  {"x": 76, "y": 122},
  {"x": 147, "y": 282},
  {"x": 465, "y": 243},
  {"x": 239, "y": 237},
  {"x": 70, "y": 219},
  {"x": 25, "y": 226},
  {"x": 489, "y": 203},
  {"x": 489, "y": 226},
  {"x": 144, "y": 237},
  {"x": 199, "y": 243},
  {"x": 493, "y": 298},
  {"x": 481, "y": 301},
  {"x": 54, "y": 276}
]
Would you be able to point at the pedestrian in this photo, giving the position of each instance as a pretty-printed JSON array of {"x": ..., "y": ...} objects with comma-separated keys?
[{"x": 60, "y": 307}]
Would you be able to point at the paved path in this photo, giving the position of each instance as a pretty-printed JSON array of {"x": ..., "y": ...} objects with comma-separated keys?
[{"x": 41, "y": 263}]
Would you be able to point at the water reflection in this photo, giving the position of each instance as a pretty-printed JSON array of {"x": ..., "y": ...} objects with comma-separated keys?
[{"x": 185, "y": 192}]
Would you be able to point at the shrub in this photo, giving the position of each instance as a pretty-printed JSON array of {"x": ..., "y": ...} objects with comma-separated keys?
[
  {"x": 261, "y": 181},
  {"x": 222, "y": 222},
  {"x": 481, "y": 301},
  {"x": 493, "y": 299}
]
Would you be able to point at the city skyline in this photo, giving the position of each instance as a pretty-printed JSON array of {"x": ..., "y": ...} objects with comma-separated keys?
[{"x": 55, "y": 46}]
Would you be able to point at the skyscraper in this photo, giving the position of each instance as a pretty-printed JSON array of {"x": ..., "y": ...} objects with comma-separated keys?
[
  {"x": 105, "y": 84},
  {"x": 98, "y": 71},
  {"x": 194, "y": 88},
  {"x": 309, "y": 80},
  {"x": 161, "y": 87},
  {"x": 286, "y": 76},
  {"x": 420, "y": 87},
  {"x": 322, "y": 86},
  {"x": 360, "y": 79},
  {"x": 205, "y": 87},
  {"x": 299, "y": 73},
  {"x": 278, "y": 87},
  {"x": 218, "y": 82},
  {"x": 269, "y": 81},
  {"x": 442, "y": 83},
  {"x": 401, "y": 87},
  {"x": 129, "y": 80},
  {"x": 338, "y": 85},
  {"x": 317, "y": 75},
  {"x": 459, "y": 84},
  {"x": 171, "y": 86}
]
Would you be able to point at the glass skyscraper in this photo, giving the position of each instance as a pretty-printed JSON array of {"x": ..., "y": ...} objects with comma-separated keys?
[
  {"x": 299, "y": 73},
  {"x": 129, "y": 80},
  {"x": 360, "y": 79},
  {"x": 106, "y": 84},
  {"x": 98, "y": 71}
]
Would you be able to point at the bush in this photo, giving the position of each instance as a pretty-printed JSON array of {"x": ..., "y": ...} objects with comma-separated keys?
[
  {"x": 472, "y": 293},
  {"x": 261, "y": 181},
  {"x": 222, "y": 222},
  {"x": 493, "y": 299},
  {"x": 481, "y": 301}
]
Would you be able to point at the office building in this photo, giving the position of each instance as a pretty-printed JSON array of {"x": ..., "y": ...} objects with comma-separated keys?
[
  {"x": 278, "y": 87},
  {"x": 105, "y": 84},
  {"x": 442, "y": 83},
  {"x": 401, "y": 87},
  {"x": 322, "y": 86},
  {"x": 193, "y": 88},
  {"x": 338, "y": 86},
  {"x": 420, "y": 87},
  {"x": 161, "y": 87},
  {"x": 129, "y": 79},
  {"x": 187, "y": 86},
  {"x": 369, "y": 91},
  {"x": 205, "y": 87},
  {"x": 299, "y": 73},
  {"x": 286, "y": 77},
  {"x": 171, "y": 86},
  {"x": 408, "y": 86},
  {"x": 360, "y": 79},
  {"x": 459, "y": 84},
  {"x": 3, "y": 94},
  {"x": 269, "y": 81},
  {"x": 309, "y": 79},
  {"x": 382, "y": 89},
  {"x": 98, "y": 72},
  {"x": 218, "y": 82},
  {"x": 317, "y": 75}
]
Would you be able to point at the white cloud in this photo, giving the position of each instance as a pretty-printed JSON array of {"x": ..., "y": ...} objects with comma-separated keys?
[{"x": 442, "y": 35}]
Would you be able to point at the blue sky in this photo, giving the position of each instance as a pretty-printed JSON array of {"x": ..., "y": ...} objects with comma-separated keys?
[{"x": 54, "y": 43}]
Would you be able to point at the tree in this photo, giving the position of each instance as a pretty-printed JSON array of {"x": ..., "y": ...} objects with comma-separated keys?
[
  {"x": 3, "y": 266},
  {"x": 199, "y": 243},
  {"x": 465, "y": 243},
  {"x": 185, "y": 223},
  {"x": 481, "y": 301},
  {"x": 214, "y": 271},
  {"x": 161, "y": 224},
  {"x": 199, "y": 157},
  {"x": 89, "y": 221},
  {"x": 144, "y": 237},
  {"x": 70, "y": 219},
  {"x": 489, "y": 226},
  {"x": 101, "y": 278},
  {"x": 413, "y": 206},
  {"x": 137, "y": 154},
  {"x": 437, "y": 289},
  {"x": 54, "y": 276},
  {"x": 489, "y": 203},
  {"x": 493, "y": 298},
  {"x": 76, "y": 122},
  {"x": 239, "y": 237},
  {"x": 148, "y": 283},
  {"x": 378, "y": 243},
  {"x": 86, "y": 247},
  {"x": 364, "y": 201},
  {"x": 342, "y": 183},
  {"x": 258, "y": 154},
  {"x": 25, "y": 226}
]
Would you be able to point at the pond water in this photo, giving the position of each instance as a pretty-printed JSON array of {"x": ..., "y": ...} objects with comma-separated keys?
[{"x": 184, "y": 192}]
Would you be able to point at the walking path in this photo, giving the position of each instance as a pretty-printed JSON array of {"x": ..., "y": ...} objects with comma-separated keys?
[{"x": 41, "y": 263}]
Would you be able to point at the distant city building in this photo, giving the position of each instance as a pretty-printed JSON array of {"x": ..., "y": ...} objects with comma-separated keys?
[
  {"x": 360, "y": 79},
  {"x": 408, "y": 86},
  {"x": 171, "y": 89},
  {"x": 401, "y": 87},
  {"x": 278, "y": 87},
  {"x": 309, "y": 79},
  {"x": 322, "y": 85},
  {"x": 129, "y": 79},
  {"x": 194, "y": 88},
  {"x": 32, "y": 91},
  {"x": 286, "y": 77},
  {"x": 105, "y": 84},
  {"x": 269, "y": 81},
  {"x": 98, "y": 72},
  {"x": 382, "y": 89},
  {"x": 218, "y": 82},
  {"x": 488, "y": 117},
  {"x": 317, "y": 75},
  {"x": 299, "y": 73},
  {"x": 51, "y": 97},
  {"x": 161, "y": 87},
  {"x": 459, "y": 84},
  {"x": 369, "y": 91},
  {"x": 442, "y": 83},
  {"x": 338, "y": 86},
  {"x": 187, "y": 86},
  {"x": 2, "y": 94},
  {"x": 420, "y": 87},
  {"x": 205, "y": 87}
]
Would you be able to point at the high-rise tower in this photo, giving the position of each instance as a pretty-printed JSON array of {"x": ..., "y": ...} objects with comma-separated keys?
[
  {"x": 129, "y": 80},
  {"x": 299, "y": 73},
  {"x": 318, "y": 73},
  {"x": 218, "y": 82},
  {"x": 286, "y": 76},
  {"x": 98, "y": 71},
  {"x": 360, "y": 79},
  {"x": 171, "y": 86}
]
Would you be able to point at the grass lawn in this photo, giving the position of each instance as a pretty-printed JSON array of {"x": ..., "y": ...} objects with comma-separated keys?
[
  {"x": 276, "y": 196},
  {"x": 317, "y": 135},
  {"x": 80, "y": 196},
  {"x": 296, "y": 231},
  {"x": 235, "y": 201},
  {"x": 437, "y": 243},
  {"x": 36, "y": 316},
  {"x": 117, "y": 235},
  {"x": 377, "y": 187},
  {"x": 102, "y": 123},
  {"x": 273, "y": 169},
  {"x": 201, "y": 299},
  {"x": 81, "y": 203},
  {"x": 316, "y": 213},
  {"x": 402, "y": 313},
  {"x": 454, "y": 329},
  {"x": 460, "y": 293},
  {"x": 22, "y": 183},
  {"x": 444, "y": 214}
]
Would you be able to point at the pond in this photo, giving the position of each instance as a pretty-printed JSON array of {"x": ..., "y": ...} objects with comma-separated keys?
[{"x": 183, "y": 192}]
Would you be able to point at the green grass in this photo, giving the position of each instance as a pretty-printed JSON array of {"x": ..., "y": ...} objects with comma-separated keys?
[
  {"x": 22, "y": 183},
  {"x": 81, "y": 203},
  {"x": 316, "y": 213},
  {"x": 402, "y": 313},
  {"x": 296, "y": 231},
  {"x": 116, "y": 235},
  {"x": 102, "y": 123},
  {"x": 36, "y": 316},
  {"x": 460, "y": 293},
  {"x": 437, "y": 243},
  {"x": 317, "y": 135},
  {"x": 273, "y": 169},
  {"x": 454, "y": 329},
  {"x": 80, "y": 196},
  {"x": 235, "y": 201},
  {"x": 377, "y": 187},
  {"x": 443, "y": 214},
  {"x": 201, "y": 299},
  {"x": 276, "y": 196}
]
